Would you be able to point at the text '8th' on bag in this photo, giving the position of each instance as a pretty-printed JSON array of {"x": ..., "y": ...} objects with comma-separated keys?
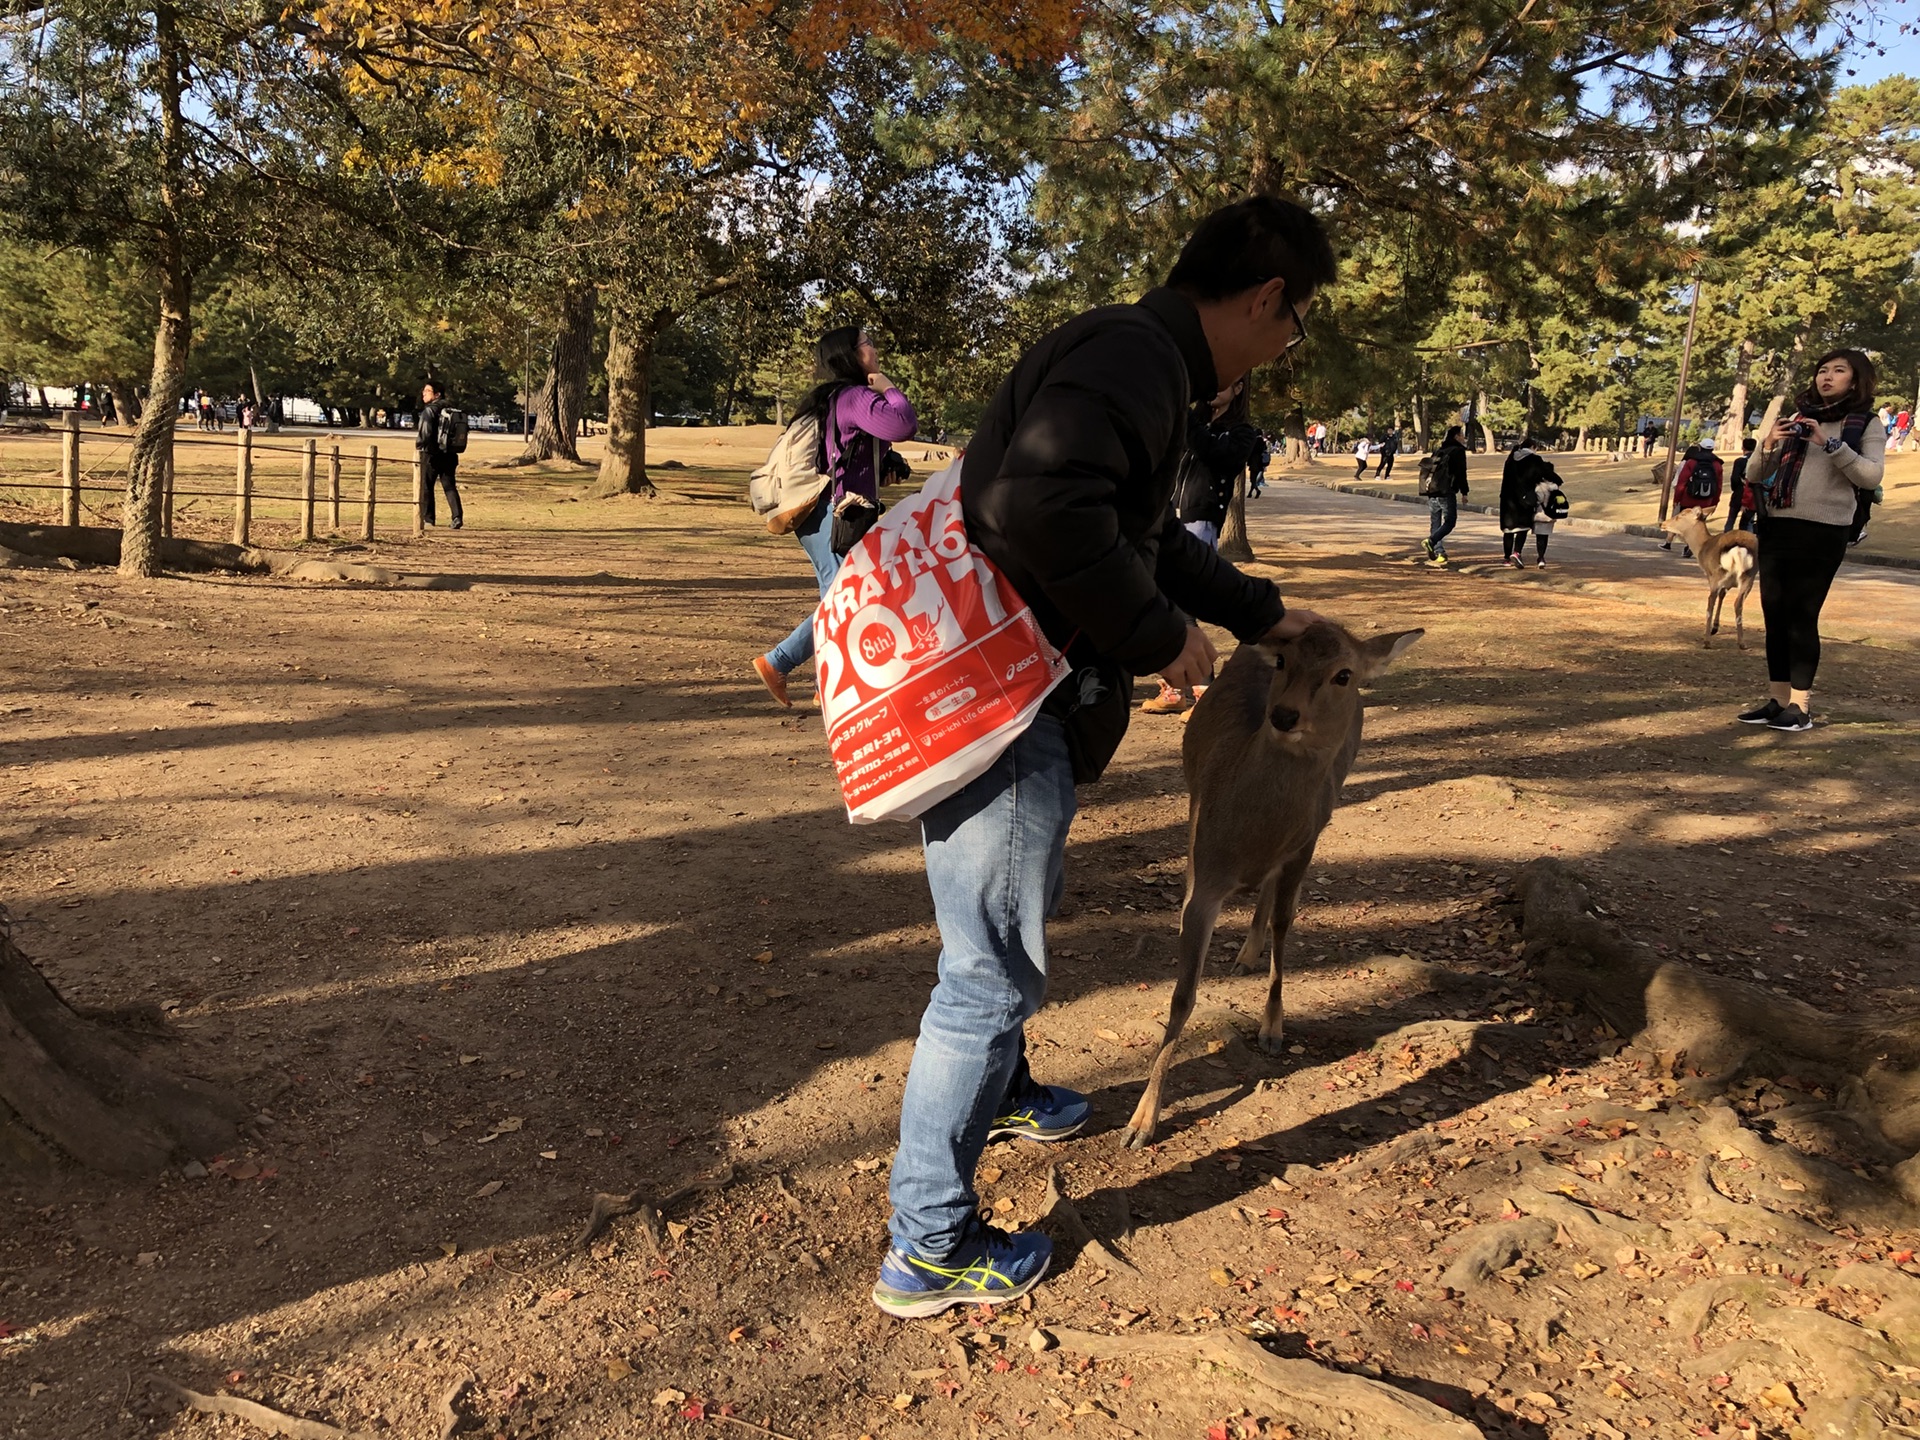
[
  {"x": 929, "y": 664},
  {"x": 789, "y": 483}
]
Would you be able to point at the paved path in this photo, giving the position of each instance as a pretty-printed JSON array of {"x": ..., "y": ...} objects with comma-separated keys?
[{"x": 1869, "y": 604}]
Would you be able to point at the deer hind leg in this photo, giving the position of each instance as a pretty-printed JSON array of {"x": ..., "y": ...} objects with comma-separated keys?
[
  {"x": 1740, "y": 610},
  {"x": 1286, "y": 893},
  {"x": 1256, "y": 933},
  {"x": 1197, "y": 919}
]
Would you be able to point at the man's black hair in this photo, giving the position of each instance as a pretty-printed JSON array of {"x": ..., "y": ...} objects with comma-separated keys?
[
  {"x": 1251, "y": 242},
  {"x": 439, "y": 390}
]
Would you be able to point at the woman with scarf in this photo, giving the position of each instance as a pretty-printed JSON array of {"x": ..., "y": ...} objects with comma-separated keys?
[
  {"x": 860, "y": 413},
  {"x": 1814, "y": 468}
]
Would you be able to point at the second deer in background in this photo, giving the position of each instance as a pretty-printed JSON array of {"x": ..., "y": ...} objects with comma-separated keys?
[{"x": 1730, "y": 561}]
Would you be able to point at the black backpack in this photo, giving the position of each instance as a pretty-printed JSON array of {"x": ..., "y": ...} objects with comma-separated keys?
[
  {"x": 1703, "y": 478},
  {"x": 451, "y": 436},
  {"x": 1429, "y": 487},
  {"x": 1557, "y": 506}
]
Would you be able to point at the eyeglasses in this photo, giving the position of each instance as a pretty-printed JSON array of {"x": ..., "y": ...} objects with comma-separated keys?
[{"x": 1299, "y": 328}]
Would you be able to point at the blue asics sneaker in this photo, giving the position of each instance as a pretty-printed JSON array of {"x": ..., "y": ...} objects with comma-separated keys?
[
  {"x": 990, "y": 1268},
  {"x": 1045, "y": 1112}
]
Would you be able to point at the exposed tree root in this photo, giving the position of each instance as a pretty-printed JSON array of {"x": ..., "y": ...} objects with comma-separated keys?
[
  {"x": 1063, "y": 1212},
  {"x": 100, "y": 545},
  {"x": 610, "y": 1207},
  {"x": 1721, "y": 1029},
  {"x": 69, "y": 1088},
  {"x": 1844, "y": 1370},
  {"x": 448, "y": 1410},
  {"x": 265, "y": 1418},
  {"x": 1328, "y": 1398}
]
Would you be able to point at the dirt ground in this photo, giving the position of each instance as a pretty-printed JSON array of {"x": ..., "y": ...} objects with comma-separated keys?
[{"x": 490, "y": 898}]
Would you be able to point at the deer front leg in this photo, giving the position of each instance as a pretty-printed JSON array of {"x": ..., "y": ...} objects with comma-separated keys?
[
  {"x": 1713, "y": 616},
  {"x": 1197, "y": 919},
  {"x": 1257, "y": 932},
  {"x": 1286, "y": 891}
]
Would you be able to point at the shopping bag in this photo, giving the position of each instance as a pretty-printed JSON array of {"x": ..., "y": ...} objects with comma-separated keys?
[{"x": 928, "y": 663}]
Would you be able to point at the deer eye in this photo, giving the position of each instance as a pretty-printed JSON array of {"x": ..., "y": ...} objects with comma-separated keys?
[
  {"x": 1345, "y": 677},
  {"x": 1279, "y": 662}
]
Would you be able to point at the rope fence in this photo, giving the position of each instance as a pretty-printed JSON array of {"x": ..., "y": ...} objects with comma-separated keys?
[{"x": 313, "y": 493}]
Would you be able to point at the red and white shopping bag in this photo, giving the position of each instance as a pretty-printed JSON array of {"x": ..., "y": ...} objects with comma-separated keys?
[{"x": 927, "y": 661}]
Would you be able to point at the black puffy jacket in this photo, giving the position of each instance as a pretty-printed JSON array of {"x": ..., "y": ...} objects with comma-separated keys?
[{"x": 1067, "y": 486}]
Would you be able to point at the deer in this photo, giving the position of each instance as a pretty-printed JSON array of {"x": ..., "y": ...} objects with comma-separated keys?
[
  {"x": 1266, "y": 749},
  {"x": 1730, "y": 561}
]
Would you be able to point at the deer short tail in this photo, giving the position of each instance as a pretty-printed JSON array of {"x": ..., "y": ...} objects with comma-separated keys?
[{"x": 1738, "y": 562}]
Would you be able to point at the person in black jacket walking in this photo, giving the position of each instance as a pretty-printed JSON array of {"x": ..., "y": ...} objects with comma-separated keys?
[
  {"x": 1066, "y": 487},
  {"x": 439, "y": 463},
  {"x": 1520, "y": 499},
  {"x": 1389, "y": 447},
  {"x": 1445, "y": 488}
]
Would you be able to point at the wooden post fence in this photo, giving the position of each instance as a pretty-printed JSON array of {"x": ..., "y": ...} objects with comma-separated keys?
[
  {"x": 333, "y": 490},
  {"x": 242, "y": 486},
  {"x": 307, "y": 461},
  {"x": 419, "y": 492},
  {"x": 166, "y": 479},
  {"x": 373, "y": 466},
  {"x": 70, "y": 469}
]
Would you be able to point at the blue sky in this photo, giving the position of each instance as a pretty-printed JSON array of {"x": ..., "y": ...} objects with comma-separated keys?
[{"x": 1894, "y": 27}]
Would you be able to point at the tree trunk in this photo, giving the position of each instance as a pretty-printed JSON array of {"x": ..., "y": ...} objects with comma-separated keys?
[
  {"x": 1420, "y": 422},
  {"x": 152, "y": 450},
  {"x": 126, "y": 399},
  {"x": 1733, "y": 429},
  {"x": 1783, "y": 380},
  {"x": 1294, "y": 427},
  {"x": 623, "y": 466},
  {"x": 69, "y": 1090},
  {"x": 1480, "y": 419},
  {"x": 562, "y": 397},
  {"x": 1234, "y": 544}
]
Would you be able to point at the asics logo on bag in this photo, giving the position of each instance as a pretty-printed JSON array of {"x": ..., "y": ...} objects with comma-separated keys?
[{"x": 1015, "y": 668}]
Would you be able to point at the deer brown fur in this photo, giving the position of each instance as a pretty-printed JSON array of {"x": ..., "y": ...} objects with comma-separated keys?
[
  {"x": 1730, "y": 561},
  {"x": 1267, "y": 749}
]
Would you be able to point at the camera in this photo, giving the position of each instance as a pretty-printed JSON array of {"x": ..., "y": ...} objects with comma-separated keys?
[{"x": 1801, "y": 428}]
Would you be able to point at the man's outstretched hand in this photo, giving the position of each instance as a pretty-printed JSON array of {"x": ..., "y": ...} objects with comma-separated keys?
[
  {"x": 1194, "y": 664},
  {"x": 1291, "y": 624}
]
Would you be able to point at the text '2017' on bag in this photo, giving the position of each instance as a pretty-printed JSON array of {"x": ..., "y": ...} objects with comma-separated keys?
[{"x": 929, "y": 664}]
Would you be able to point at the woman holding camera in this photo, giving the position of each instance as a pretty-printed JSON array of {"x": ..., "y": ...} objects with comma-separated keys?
[{"x": 1812, "y": 469}]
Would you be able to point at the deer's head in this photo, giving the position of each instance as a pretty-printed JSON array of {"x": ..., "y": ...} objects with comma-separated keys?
[
  {"x": 1689, "y": 525},
  {"x": 1314, "y": 695}
]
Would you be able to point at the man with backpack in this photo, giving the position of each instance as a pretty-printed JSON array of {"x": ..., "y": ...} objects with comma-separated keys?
[
  {"x": 1697, "y": 484},
  {"x": 441, "y": 436},
  {"x": 1067, "y": 489},
  {"x": 1443, "y": 482}
]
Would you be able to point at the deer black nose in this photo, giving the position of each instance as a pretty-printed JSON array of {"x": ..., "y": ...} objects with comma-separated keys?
[{"x": 1284, "y": 719}]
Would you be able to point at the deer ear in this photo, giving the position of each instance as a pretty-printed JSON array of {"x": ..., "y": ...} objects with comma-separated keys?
[{"x": 1382, "y": 650}]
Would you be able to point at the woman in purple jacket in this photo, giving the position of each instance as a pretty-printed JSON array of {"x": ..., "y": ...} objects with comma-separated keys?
[{"x": 860, "y": 412}]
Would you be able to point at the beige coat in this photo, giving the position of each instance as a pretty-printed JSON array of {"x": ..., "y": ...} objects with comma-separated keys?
[{"x": 1828, "y": 483}]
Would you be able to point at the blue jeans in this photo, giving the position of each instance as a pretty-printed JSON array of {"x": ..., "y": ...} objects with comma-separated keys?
[
  {"x": 1207, "y": 532},
  {"x": 816, "y": 538},
  {"x": 1445, "y": 510},
  {"x": 995, "y": 852}
]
